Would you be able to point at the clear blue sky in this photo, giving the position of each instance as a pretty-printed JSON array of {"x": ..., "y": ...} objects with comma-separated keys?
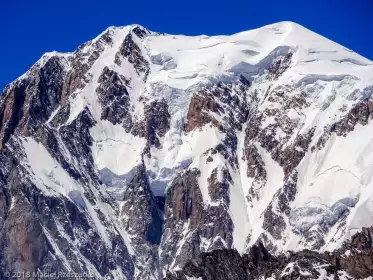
[{"x": 30, "y": 28}]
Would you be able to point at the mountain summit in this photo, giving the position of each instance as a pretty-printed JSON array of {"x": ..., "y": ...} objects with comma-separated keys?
[{"x": 144, "y": 155}]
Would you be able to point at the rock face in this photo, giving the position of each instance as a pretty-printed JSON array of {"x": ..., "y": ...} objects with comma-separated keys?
[
  {"x": 27, "y": 104},
  {"x": 189, "y": 223},
  {"x": 352, "y": 261},
  {"x": 142, "y": 220},
  {"x": 130, "y": 50},
  {"x": 144, "y": 155},
  {"x": 114, "y": 99}
]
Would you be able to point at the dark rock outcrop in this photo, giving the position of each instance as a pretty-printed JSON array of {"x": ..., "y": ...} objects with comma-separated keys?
[
  {"x": 29, "y": 102},
  {"x": 157, "y": 121},
  {"x": 81, "y": 61},
  {"x": 114, "y": 99},
  {"x": 131, "y": 51},
  {"x": 229, "y": 101},
  {"x": 356, "y": 255},
  {"x": 360, "y": 113},
  {"x": 258, "y": 263},
  {"x": 279, "y": 66},
  {"x": 155, "y": 124},
  {"x": 143, "y": 221},
  {"x": 188, "y": 218},
  {"x": 37, "y": 227}
]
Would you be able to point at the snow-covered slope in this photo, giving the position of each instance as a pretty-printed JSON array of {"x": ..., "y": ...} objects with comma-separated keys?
[{"x": 141, "y": 150}]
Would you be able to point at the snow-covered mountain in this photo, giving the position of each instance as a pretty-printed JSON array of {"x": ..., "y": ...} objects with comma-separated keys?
[{"x": 139, "y": 151}]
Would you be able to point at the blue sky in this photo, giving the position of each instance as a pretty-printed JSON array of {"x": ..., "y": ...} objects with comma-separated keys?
[{"x": 30, "y": 28}]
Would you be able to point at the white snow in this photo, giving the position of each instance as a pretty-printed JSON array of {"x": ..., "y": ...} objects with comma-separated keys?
[
  {"x": 13, "y": 202},
  {"x": 274, "y": 182},
  {"x": 115, "y": 149},
  {"x": 342, "y": 171},
  {"x": 238, "y": 203},
  {"x": 200, "y": 57},
  {"x": 48, "y": 175}
]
